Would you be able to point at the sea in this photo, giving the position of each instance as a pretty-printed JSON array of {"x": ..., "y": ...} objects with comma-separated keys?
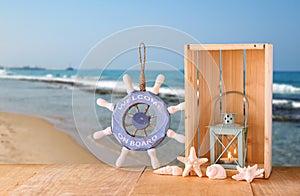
[{"x": 67, "y": 99}]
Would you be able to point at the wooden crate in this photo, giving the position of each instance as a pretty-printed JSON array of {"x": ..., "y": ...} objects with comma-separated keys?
[{"x": 211, "y": 69}]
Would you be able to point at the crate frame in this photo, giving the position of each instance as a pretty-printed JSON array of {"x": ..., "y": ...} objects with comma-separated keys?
[{"x": 211, "y": 69}]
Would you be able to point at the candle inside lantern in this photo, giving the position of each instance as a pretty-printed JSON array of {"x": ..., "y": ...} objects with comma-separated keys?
[
  {"x": 229, "y": 156},
  {"x": 230, "y": 159}
]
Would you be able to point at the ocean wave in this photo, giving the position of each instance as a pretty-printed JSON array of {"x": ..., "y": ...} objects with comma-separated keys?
[
  {"x": 285, "y": 89},
  {"x": 286, "y": 110},
  {"x": 104, "y": 86},
  {"x": 47, "y": 78},
  {"x": 3, "y": 72},
  {"x": 286, "y": 117},
  {"x": 285, "y": 104},
  {"x": 91, "y": 84},
  {"x": 280, "y": 101},
  {"x": 296, "y": 104}
]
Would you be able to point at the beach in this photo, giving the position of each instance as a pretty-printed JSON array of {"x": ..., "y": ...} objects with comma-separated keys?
[{"x": 31, "y": 140}]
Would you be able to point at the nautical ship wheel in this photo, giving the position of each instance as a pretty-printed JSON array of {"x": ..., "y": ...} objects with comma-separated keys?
[{"x": 141, "y": 120}]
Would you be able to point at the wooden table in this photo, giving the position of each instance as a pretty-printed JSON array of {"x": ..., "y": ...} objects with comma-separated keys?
[{"x": 99, "y": 179}]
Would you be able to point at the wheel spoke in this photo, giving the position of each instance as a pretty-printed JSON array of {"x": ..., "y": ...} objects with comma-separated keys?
[
  {"x": 134, "y": 132},
  {"x": 152, "y": 116},
  {"x": 129, "y": 114},
  {"x": 128, "y": 125},
  {"x": 137, "y": 108},
  {"x": 145, "y": 132},
  {"x": 146, "y": 109}
]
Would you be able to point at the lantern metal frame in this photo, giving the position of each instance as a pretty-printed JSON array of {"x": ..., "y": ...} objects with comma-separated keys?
[{"x": 238, "y": 131}]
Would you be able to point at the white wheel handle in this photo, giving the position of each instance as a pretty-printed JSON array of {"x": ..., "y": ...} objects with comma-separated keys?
[
  {"x": 176, "y": 108},
  {"x": 100, "y": 134},
  {"x": 105, "y": 104},
  {"x": 122, "y": 157},
  {"x": 154, "y": 161},
  {"x": 128, "y": 83},
  {"x": 158, "y": 82},
  {"x": 178, "y": 137}
]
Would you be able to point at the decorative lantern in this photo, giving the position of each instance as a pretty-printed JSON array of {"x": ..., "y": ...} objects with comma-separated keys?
[{"x": 228, "y": 140}]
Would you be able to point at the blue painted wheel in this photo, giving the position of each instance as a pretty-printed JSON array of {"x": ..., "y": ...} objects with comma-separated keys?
[{"x": 140, "y": 121}]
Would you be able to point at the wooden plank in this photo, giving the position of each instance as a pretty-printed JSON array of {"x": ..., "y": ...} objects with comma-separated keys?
[
  {"x": 153, "y": 184},
  {"x": 255, "y": 92},
  {"x": 268, "y": 108},
  {"x": 283, "y": 181},
  {"x": 12, "y": 176},
  {"x": 226, "y": 46},
  {"x": 233, "y": 80},
  {"x": 195, "y": 111},
  {"x": 191, "y": 112},
  {"x": 209, "y": 90},
  {"x": 80, "y": 179},
  {"x": 188, "y": 104},
  {"x": 98, "y": 179}
]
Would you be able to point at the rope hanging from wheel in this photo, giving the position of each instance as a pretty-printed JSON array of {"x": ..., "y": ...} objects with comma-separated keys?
[{"x": 142, "y": 65}]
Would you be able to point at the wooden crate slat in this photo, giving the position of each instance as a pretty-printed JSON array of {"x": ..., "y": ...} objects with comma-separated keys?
[
  {"x": 209, "y": 76},
  {"x": 226, "y": 46},
  {"x": 255, "y": 91},
  {"x": 195, "y": 123},
  {"x": 268, "y": 108},
  {"x": 191, "y": 125},
  {"x": 233, "y": 80}
]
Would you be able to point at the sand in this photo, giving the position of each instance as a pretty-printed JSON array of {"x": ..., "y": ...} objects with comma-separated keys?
[{"x": 31, "y": 140}]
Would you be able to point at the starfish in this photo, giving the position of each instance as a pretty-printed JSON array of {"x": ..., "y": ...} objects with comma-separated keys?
[
  {"x": 192, "y": 162},
  {"x": 248, "y": 173}
]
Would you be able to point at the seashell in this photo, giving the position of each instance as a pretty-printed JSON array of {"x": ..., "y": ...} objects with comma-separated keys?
[
  {"x": 248, "y": 173},
  {"x": 169, "y": 170},
  {"x": 215, "y": 171}
]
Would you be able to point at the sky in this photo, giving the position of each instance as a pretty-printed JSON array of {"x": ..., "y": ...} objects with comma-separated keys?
[{"x": 58, "y": 34}]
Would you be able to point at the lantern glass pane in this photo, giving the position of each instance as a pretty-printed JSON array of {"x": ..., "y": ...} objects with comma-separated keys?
[{"x": 227, "y": 149}]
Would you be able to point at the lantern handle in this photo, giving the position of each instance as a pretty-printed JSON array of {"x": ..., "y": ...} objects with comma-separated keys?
[{"x": 245, "y": 100}]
